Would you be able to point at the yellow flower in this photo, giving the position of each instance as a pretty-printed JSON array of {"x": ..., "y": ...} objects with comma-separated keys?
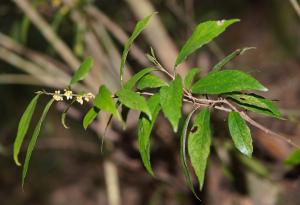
[
  {"x": 68, "y": 94},
  {"x": 57, "y": 96},
  {"x": 88, "y": 97},
  {"x": 79, "y": 99}
]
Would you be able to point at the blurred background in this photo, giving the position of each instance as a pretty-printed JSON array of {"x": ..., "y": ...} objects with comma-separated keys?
[{"x": 42, "y": 42}]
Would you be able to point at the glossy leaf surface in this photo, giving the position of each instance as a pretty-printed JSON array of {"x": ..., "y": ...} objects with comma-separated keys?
[{"x": 226, "y": 81}]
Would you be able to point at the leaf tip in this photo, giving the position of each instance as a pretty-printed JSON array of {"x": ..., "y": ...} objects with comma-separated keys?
[
  {"x": 17, "y": 161},
  {"x": 264, "y": 89}
]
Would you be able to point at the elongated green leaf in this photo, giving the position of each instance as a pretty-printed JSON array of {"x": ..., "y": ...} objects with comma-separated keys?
[
  {"x": 255, "y": 103},
  {"x": 90, "y": 116},
  {"x": 171, "y": 101},
  {"x": 134, "y": 79},
  {"x": 137, "y": 30},
  {"x": 33, "y": 139},
  {"x": 134, "y": 101},
  {"x": 145, "y": 126},
  {"x": 240, "y": 133},
  {"x": 189, "y": 78},
  {"x": 203, "y": 34},
  {"x": 294, "y": 158},
  {"x": 63, "y": 120},
  {"x": 231, "y": 56},
  {"x": 151, "y": 81},
  {"x": 64, "y": 114},
  {"x": 199, "y": 142},
  {"x": 105, "y": 102},
  {"x": 124, "y": 112},
  {"x": 82, "y": 71},
  {"x": 183, "y": 159},
  {"x": 226, "y": 81},
  {"x": 23, "y": 127}
]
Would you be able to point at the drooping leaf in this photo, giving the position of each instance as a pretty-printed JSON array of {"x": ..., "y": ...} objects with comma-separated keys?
[
  {"x": 183, "y": 159},
  {"x": 63, "y": 120},
  {"x": 90, "y": 116},
  {"x": 189, "y": 78},
  {"x": 33, "y": 140},
  {"x": 171, "y": 101},
  {"x": 203, "y": 34},
  {"x": 240, "y": 133},
  {"x": 64, "y": 115},
  {"x": 82, "y": 71},
  {"x": 294, "y": 158},
  {"x": 151, "y": 81},
  {"x": 137, "y": 30},
  {"x": 124, "y": 112},
  {"x": 199, "y": 142},
  {"x": 23, "y": 127},
  {"x": 226, "y": 81},
  {"x": 105, "y": 130},
  {"x": 256, "y": 103},
  {"x": 231, "y": 56},
  {"x": 134, "y": 101},
  {"x": 105, "y": 102},
  {"x": 134, "y": 79},
  {"x": 145, "y": 126}
]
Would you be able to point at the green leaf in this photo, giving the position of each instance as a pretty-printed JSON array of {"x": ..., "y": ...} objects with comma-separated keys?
[
  {"x": 294, "y": 158},
  {"x": 231, "y": 56},
  {"x": 124, "y": 113},
  {"x": 23, "y": 127},
  {"x": 199, "y": 142},
  {"x": 82, "y": 71},
  {"x": 63, "y": 120},
  {"x": 145, "y": 126},
  {"x": 240, "y": 133},
  {"x": 64, "y": 114},
  {"x": 134, "y": 101},
  {"x": 189, "y": 78},
  {"x": 105, "y": 102},
  {"x": 255, "y": 103},
  {"x": 203, "y": 34},
  {"x": 151, "y": 81},
  {"x": 134, "y": 79},
  {"x": 137, "y": 30},
  {"x": 226, "y": 81},
  {"x": 171, "y": 101},
  {"x": 90, "y": 116},
  {"x": 33, "y": 139},
  {"x": 183, "y": 159}
]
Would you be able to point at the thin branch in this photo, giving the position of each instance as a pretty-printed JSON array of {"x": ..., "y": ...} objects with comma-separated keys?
[
  {"x": 188, "y": 97},
  {"x": 261, "y": 127}
]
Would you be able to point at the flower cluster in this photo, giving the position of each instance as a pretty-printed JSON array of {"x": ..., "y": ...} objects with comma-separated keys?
[
  {"x": 57, "y": 96},
  {"x": 69, "y": 96}
]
